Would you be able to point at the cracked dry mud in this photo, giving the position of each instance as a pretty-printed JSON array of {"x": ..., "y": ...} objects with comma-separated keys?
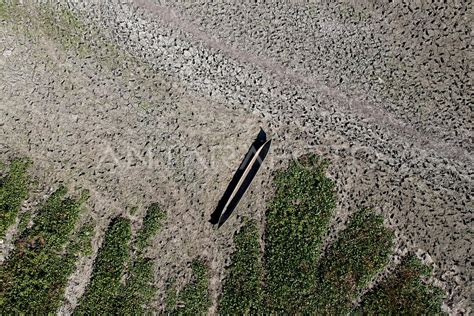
[{"x": 165, "y": 100}]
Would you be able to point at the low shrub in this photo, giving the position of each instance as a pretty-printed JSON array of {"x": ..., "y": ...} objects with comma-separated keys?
[
  {"x": 82, "y": 242},
  {"x": 298, "y": 278},
  {"x": 23, "y": 222},
  {"x": 242, "y": 286},
  {"x": 103, "y": 289},
  {"x": 139, "y": 288},
  {"x": 194, "y": 298},
  {"x": 105, "y": 294},
  {"x": 34, "y": 276},
  {"x": 171, "y": 297},
  {"x": 13, "y": 191},
  {"x": 297, "y": 220},
  {"x": 360, "y": 252},
  {"x": 151, "y": 225},
  {"x": 404, "y": 292}
]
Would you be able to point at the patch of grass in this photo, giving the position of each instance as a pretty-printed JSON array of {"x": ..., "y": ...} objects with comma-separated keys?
[
  {"x": 64, "y": 26},
  {"x": 151, "y": 224},
  {"x": 297, "y": 220},
  {"x": 24, "y": 221},
  {"x": 82, "y": 241},
  {"x": 361, "y": 251},
  {"x": 34, "y": 277},
  {"x": 171, "y": 296},
  {"x": 103, "y": 289},
  {"x": 105, "y": 294},
  {"x": 132, "y": 210},
  {"x": 404, "y": 292},
  {"x": 5, "y": 10},
  {"x": 138, "y": 290},
  {"x": 57, "y": 219},
  {"x": 13, "y": 191},
  {"x": 242, "y": 286},
  {"x": 45, "y": 19},
  {"x": 298, "y": 278},
  {"x": 194, "y": 298},
  {"x": 53, "y": 21}
]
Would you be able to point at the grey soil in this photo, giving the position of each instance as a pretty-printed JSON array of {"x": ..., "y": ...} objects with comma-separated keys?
[{"x": 169, "y": 97}]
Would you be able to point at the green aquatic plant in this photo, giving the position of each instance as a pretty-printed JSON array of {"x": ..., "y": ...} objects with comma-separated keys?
[
  {"x": 13, "y": 191},
  {"x": 34, "y": 276}
]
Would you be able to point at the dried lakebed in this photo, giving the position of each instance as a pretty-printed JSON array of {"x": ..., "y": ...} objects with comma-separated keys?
[{"x": 163, "y": 102}]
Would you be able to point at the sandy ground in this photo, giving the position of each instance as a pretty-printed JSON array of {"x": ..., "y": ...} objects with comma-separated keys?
[{"x": 165, "y": 106}]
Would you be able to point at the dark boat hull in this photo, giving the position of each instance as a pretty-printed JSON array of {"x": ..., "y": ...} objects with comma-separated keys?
[{"x": 242, "y": 179}]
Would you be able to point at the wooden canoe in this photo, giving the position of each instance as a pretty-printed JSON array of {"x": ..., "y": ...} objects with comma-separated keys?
[{"x": 242, "y": 179}]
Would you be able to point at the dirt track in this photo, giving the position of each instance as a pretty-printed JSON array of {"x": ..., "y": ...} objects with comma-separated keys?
[{"x": 167, "y": 102}]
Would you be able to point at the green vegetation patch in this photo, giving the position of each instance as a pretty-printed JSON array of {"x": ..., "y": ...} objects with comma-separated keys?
[
  {"x": 242, "y": 286},
  {"x": 297, "y": 220},
  {"x": 5, "y": 10},
  {"x": 103, "y": 289},
  {"x": 360, "y": 252},
  {"x": 194, "y": 298},
  {"x": 82, "y": 242},
  {"x": 62, "y": 25},
  {"x": 171, "y": 297},
  {"x": 34, "y": 277},
  {"x": 53, "y": 21},
  {"x": 13, "y": 191},
  {"x": 23, "y": 223},
  {"x": 298, "y": 278},
  {"x": 138, "y": 290},
  {"x": 105, "y": 293},
  {"x": 151, "y": 225},
  {"x": 404, "y": 292}
]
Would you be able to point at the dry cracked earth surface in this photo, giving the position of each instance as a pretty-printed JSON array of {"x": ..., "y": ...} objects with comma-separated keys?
[{"x": 144, "y": 102}]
